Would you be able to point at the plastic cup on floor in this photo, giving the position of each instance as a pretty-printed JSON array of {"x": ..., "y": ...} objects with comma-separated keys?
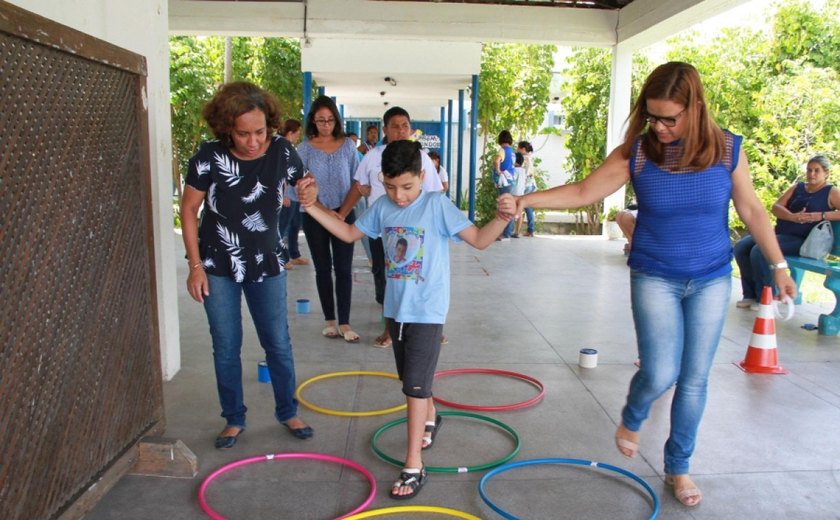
[
  {"x": 262, "y": 372},
  {"x": 302, "y": 306},
  {"x": 588, "y": 358}
]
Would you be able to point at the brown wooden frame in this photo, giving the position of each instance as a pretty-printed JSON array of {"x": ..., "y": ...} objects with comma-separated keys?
[{"x": 80, "y": 371}]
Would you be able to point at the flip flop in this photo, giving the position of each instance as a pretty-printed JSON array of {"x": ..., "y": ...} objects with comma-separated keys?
[
  {"x": 379, "y": 342},
  {"x": 411, "y": 477},
  {"x": 431, "y": 430},
  {"x": 331, "y": 332}
]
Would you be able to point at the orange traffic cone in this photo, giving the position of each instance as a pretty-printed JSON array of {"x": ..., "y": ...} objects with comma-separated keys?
[{"x": 761, "y": 352}]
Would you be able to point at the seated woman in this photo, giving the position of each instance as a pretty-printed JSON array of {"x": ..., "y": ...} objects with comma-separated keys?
[
  {"x": 626, "y": 220},
  {"x": 797, "y": 211}
]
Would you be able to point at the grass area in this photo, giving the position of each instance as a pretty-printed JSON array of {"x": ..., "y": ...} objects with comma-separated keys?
[{"x": 812, "y": 288}]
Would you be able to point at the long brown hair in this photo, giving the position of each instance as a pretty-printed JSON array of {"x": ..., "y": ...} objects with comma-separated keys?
[
  {"x": 703, "y": 140},
  {"x": 237, "y": 98}
]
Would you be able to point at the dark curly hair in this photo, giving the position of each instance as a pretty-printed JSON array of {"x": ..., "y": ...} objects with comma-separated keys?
[{"x": 237, "y": 98}]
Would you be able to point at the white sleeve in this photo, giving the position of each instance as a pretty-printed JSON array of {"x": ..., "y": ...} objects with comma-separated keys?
[
  {"x": 431, "y": 181},
  {"x": 444, "y": 175}
]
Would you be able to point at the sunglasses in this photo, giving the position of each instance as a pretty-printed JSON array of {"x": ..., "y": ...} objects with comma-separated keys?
[
  {"x": 669, "y": 122},
  {"x": 324, "y": 121}
]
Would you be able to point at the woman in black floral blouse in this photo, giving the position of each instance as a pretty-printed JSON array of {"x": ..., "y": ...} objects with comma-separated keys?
[{"x": 240, "y": 177}]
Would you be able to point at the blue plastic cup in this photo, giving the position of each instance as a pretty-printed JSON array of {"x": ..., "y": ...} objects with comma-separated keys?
[
  {"x": 262, "y": 372},
  {"x": 302, "y": 306}
]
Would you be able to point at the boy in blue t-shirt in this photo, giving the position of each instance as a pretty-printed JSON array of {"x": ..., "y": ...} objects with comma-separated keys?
[{"x": 415, "y": 227}]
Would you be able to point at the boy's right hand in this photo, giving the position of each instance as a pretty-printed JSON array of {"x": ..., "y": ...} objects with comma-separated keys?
[{"x": 506, "y": 206}]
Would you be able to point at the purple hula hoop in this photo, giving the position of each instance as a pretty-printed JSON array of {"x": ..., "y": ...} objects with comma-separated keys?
[{"x": 292, "y": 455}]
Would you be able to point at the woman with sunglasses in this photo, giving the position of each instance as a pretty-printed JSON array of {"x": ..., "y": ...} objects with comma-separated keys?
[
  {"x": 684, "y": 169},
  {"x": 332, "y": 159}
]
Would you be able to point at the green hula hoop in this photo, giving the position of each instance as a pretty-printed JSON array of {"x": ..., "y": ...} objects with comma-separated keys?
[{"x": 450, "y": 469}]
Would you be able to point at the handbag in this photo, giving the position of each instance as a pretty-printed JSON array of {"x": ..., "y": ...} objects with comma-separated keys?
[{"x": 819, "y": 242}]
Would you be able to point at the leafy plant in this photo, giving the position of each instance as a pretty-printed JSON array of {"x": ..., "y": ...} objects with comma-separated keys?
[
  {"x": 586, "y": 109},
  {"x": 513, "y": 95}
]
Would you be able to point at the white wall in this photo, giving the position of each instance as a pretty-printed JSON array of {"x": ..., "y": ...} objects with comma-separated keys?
[{"x": 140, "y": 26}]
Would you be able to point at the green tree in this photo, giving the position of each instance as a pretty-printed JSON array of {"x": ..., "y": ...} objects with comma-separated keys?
[
  {"x": 804, "y": 35},
  {"x": 197, "y": 68},
  {"x": 513, "y": 95},
  {"x": 586, "y": 107},
  {"x": 778, "y": 91},
  {"x": 191, "y": 84}
]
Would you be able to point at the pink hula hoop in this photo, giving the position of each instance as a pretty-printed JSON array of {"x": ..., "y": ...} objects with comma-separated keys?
[
  {"x": 292, "y": 455},
  {"x": 493, "y": 371}
]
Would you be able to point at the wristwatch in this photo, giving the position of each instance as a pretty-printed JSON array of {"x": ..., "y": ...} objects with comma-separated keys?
[{"x": 780, "y": 265}]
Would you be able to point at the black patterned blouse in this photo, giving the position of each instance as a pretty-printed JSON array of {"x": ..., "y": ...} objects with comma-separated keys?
[{"x": 238, "y": 235}]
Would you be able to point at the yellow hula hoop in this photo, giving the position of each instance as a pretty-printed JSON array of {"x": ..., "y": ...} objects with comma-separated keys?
[
  {"x": 412, "y": 509},
  {"x": 340, "y": 413}
]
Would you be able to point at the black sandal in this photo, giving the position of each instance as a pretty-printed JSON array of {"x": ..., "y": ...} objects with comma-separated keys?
[
  {"x": 431, "y": 430},
  {"x": 411, "y": 477}
]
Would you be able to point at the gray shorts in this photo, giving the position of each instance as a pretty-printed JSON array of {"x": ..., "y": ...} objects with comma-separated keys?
[{"x": 416, "y": 350}]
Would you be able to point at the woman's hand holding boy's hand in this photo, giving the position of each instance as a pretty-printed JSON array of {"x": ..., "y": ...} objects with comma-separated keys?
[
  {"x": 307, "y": 190},
  {"x": 506, "y": 207}
]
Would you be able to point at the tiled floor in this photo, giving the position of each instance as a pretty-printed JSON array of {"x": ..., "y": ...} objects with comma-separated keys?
[{"x": 769, "y": 446}]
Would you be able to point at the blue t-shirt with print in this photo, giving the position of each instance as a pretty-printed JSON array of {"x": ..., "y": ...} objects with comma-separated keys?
[{"x": 416, "y": 242}]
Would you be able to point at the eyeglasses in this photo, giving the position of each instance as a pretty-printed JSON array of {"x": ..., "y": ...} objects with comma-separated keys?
[
  {"x": 669, "y": 122},
  {"x": 324, "y": 121}
]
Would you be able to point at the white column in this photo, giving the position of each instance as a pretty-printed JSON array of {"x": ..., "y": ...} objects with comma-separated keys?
[{"x": 619, "y": 110}]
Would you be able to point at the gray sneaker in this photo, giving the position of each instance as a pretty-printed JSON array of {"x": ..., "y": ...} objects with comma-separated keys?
[{"x": 746, "y": 303}]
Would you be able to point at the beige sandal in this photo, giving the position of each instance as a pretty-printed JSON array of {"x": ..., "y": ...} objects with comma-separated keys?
[
  {"x": 688, "y": 496},
  {"x": 350, "y": 336},
  {"x": 624, "y": 443},
  {"x": 331, "y": 332}
]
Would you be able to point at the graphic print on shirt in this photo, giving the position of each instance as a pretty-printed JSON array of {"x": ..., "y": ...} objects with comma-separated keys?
[{"x": 404, "y": 252}]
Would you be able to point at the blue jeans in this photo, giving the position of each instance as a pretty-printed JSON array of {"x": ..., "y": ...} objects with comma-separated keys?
[
  {"x": 755, "y": 270},
  {"x": 267, "y": 304},
  {"x": 678, "y": 327},
  {"x": 529, "y": 212},
  {"x": 509, "y": 228},
  {"x": 289, "y": 225}
]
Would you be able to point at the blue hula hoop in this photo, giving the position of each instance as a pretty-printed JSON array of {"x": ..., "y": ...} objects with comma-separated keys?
[{"x": 577, "y": 462}]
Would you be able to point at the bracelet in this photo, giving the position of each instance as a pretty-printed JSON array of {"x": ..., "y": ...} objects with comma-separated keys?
[
  {"x": 823, "y": 215},
  {"x": 196, "y": 266}
]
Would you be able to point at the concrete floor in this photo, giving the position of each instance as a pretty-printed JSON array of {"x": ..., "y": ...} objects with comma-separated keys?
[{"x": 769, "y": 445}]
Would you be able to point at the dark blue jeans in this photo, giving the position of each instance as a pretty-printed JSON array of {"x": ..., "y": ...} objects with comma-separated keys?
[
  {"x": 289, "y": 225},
  {"x": 755, "y": 269},
  {"x": 331, "y": 253},
  {"x": 509, "y": 228},
  {"x": 267, "y": 304}
]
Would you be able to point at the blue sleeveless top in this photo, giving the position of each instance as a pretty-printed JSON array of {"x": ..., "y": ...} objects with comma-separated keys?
[
  {"x": 682, "y": 229},
  {"x": 802, "y": 200},
  {"x": 506, "y": 165}
]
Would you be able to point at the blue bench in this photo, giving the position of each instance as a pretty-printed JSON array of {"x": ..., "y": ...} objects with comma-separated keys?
[{"x": 829, "y": 324}]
